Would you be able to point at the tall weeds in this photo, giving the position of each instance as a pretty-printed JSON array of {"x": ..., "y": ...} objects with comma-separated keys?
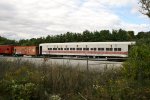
[{"x": 24, "y": 80}]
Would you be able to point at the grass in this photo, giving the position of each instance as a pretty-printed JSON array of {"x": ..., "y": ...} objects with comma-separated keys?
[{"x": 27, "y": 81}]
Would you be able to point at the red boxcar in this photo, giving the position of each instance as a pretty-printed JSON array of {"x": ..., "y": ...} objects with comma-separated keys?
[
  {"x": 6, "y": 50},
  {"x": 26, "y": 50}
]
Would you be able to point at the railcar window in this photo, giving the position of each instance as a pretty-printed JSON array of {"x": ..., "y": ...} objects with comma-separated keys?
[
  {"x": 72, "y": 48},
  {"x": 65, "y": 48},
  {"x": 119, "y": 49},
  {"x": 115, "y": 49},
  {"x": 49, "y": 48},
  {"x": 91, "y": 48},
  {"x": 111, "y": 49},
  {"x": 85, "y": 48},
  {"x": 94, "y": 49},
  {"x": 54, "y": 48},
  {"x": 79, "y": 48},
  {"x": 100, "y": 49},
  {"x": 108, "y": 49},
  {"x": 61, "y": 48}
]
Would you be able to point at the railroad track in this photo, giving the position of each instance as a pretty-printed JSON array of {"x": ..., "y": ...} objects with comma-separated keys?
[
  {"x": 81, "y": 63},
  {"x": 74, "y": 58}
]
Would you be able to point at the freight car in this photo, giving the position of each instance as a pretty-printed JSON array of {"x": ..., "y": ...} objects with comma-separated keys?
[
  {"x": 26, "y": 50},
  {"x": 91, "y": 49},
  {"x": 6, "y": 49}
]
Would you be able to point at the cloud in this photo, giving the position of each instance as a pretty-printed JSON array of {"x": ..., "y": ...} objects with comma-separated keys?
[
  {"x": 22, "y": 19},
  {"x": 120, "y": 2}
]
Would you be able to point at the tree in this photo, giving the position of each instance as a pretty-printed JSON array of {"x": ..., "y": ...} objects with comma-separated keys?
[
  {"x": 131, "y": 35},
  {"x": 87, "y": 36},
  {"x": 105, "y": 35},
  {"x": 121, "y": 35},
  {"x": 141, "y": 35},
  {"x": 97, "y": 36},
  {"x": 145, "y": 5},
  {"x": 5, "y": 41},
  {"x": 138, "y": 65}
]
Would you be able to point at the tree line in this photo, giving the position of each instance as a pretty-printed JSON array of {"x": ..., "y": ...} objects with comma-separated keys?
[
  {"x": 85, "y": 36},
  {"x": 5, "y": 41}
]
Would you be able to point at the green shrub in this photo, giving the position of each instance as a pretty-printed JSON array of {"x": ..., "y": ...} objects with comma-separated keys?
[
  {"x": 22, "y": 91},
  {"x": 26, "y": 81},
  {"x": 138, "y": 65}
]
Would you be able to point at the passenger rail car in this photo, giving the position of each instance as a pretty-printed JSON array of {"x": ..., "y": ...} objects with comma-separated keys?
[{"x": 91, "y": 49}]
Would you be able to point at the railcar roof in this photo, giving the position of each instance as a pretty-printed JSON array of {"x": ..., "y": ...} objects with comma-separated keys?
[
  {"x": 26, "y": 46},
  {"x": 7, "y": 45},
  {"x": 82, "y": 43}
]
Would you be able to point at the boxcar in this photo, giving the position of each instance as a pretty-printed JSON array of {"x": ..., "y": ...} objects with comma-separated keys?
[
  {"x": 6, "y": 50},
  {"x": 94, "y": 49},
  {"x": 26, "y": 50}
]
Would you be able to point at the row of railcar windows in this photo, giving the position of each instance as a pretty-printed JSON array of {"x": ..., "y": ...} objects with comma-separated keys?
[{"x": 87, "y": 49}]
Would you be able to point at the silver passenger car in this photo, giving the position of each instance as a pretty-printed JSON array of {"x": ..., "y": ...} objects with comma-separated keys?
[{"x": 95, "y": 49}]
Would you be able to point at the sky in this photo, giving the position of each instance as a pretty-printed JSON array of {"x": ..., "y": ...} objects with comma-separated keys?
[{"x": 25, "y": 19}]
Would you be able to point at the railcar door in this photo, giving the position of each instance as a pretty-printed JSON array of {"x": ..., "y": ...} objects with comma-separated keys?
[
  {"x": 129, "y": 47},
  {"x": 40, "y": 50}
]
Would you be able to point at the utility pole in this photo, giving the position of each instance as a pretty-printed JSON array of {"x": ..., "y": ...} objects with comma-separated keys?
[{"x": 87, "y": 63}]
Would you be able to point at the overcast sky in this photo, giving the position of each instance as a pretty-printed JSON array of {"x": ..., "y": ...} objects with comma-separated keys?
[{"x": 24, "y": 19}]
